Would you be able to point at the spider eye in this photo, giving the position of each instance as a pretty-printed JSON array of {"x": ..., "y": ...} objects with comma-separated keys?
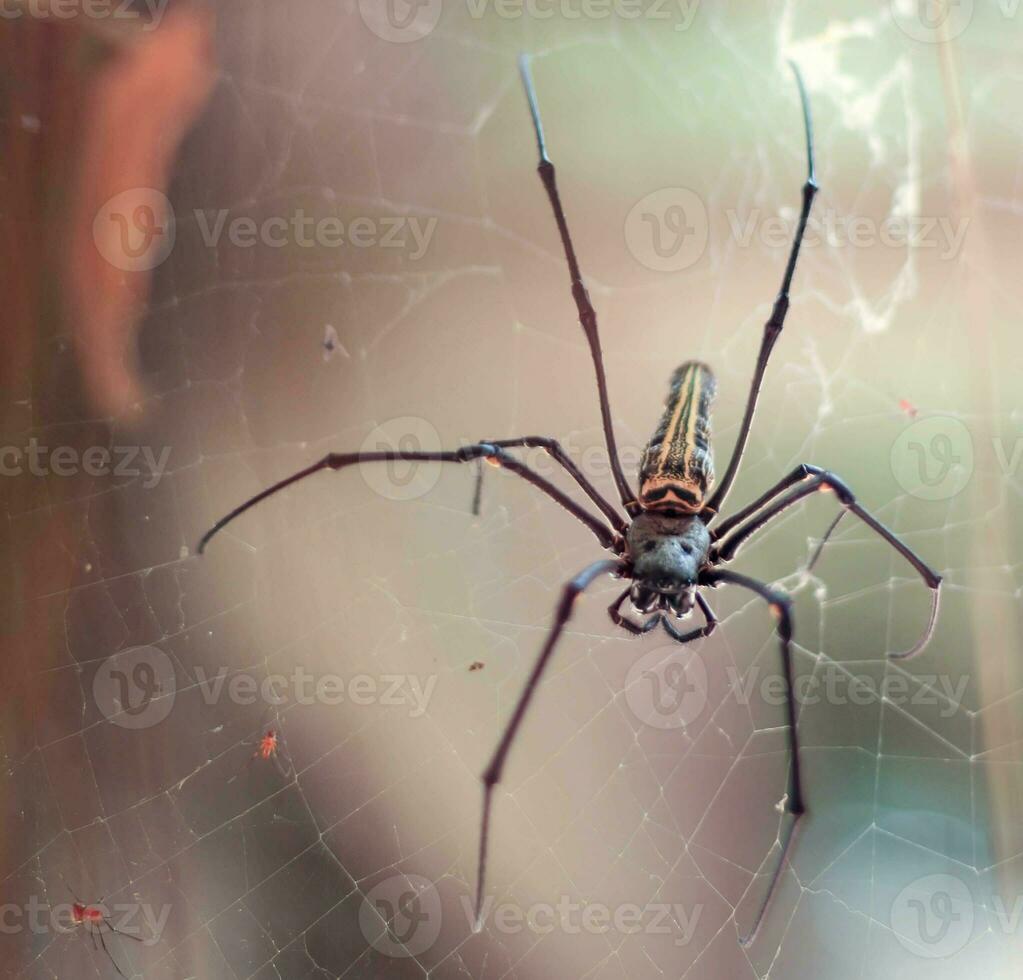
[
  {"x": 649, "y": 546},
  {"x": 687, "y": 549}
]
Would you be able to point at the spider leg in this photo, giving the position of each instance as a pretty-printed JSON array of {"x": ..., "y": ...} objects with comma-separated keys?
[
  {"x": 248, "y": 762},
  {"x": 725, "y": 551},
  {"x": 804, "y": 471},
  {"x": 781, "y": 605},
  {"x": 122, "y": 933},
  {"x": 554, "y": 448},
  {"x": 773, "y": 327},
  {"x": 587, "y": 315},
  {"x": 708, "y": 614},
  {"x": 621, "y": 620},
  {"x": 492, "y": 774},
  {"x": 110, "y": 955},
  {"x": 482, "y": 450},
  {"x": 824, "y": 540},
  {"x": 287, "y": 772},
  {"x": 70, "y": 889}
]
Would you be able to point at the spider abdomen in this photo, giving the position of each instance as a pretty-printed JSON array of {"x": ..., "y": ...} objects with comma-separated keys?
[{"x": 678, "y": 464}]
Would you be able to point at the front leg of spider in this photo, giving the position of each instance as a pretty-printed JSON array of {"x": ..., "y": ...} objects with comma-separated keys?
[{"x": 492, "y": 774}]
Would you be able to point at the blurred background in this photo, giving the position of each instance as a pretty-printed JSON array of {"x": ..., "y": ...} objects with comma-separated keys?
[{"x": 242, "y": 235}]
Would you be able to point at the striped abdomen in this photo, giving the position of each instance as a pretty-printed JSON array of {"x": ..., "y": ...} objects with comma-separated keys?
[{"x": 678, "y": 466}]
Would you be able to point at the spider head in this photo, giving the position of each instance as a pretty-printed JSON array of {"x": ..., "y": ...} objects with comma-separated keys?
[{"x": 667, "y": 553}]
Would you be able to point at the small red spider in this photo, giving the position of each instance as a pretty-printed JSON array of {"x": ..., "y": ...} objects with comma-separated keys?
[
  {"x": 908, "y": 407},
  {"x": 95, "y": 920},
  {"x": 268, "y": 750},
  {"x": 268, "y": 744}
]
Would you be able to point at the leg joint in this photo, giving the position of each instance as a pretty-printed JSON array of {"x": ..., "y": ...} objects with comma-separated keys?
[
  {"x": 781, "y": 609},
  {"x": 841, "y": 490}
]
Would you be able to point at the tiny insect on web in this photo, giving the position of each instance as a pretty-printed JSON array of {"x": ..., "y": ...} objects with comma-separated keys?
[
  {"x": 669, "y": 542},
  {"x": 95, "y": 920}
]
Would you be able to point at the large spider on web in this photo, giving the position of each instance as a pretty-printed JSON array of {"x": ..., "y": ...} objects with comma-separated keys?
[{"x": 671, "y": 545}]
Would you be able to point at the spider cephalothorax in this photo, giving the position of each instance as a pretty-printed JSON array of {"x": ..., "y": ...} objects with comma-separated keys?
[
  {"x": 673, "y": 544},
  {"x": 666, "y": 554}
]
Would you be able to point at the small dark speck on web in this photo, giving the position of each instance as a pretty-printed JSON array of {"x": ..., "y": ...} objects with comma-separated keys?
[
  {"x": 332, "y": 343},
  {"x": 477, "y": 665}
]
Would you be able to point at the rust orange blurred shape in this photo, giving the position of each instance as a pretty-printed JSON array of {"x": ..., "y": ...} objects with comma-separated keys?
[{"x": 136, "y": 114}]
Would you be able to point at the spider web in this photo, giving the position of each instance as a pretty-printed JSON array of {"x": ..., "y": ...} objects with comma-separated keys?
[{"x": 261, "y": 359}]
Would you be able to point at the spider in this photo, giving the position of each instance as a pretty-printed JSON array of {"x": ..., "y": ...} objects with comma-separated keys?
[
  {"x": 95, "y": 920},
  {"x": 671, "y": 544},
  {"x": 268, "y": 749}
]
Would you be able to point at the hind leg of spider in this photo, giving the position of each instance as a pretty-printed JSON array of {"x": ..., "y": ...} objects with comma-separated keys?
[
  {"x": 110, "y": 955},
  {"x": 781, "y": 605},
  {"x": 286, "y": 772},
  {"x": 710, "y": 625},
  {"x": 492, "y": 774}
]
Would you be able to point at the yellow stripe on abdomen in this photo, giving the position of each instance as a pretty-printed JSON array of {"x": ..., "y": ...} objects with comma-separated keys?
[{"x": 678, "y": 465}]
